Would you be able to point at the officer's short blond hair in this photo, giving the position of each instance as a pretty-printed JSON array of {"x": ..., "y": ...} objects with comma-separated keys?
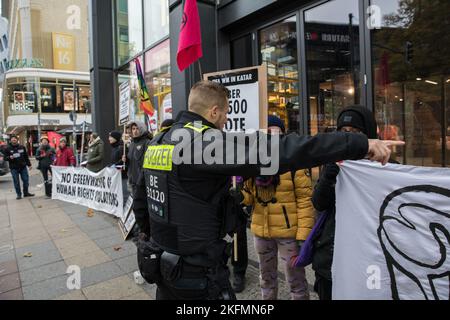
[{"x": 207, "y": 94}]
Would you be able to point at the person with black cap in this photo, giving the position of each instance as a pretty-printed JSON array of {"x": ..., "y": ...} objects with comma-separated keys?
[
  {"x": 17, "y": 156},
  {"x": 354, "y": 119},
  {"x": 117, "y": 152}
]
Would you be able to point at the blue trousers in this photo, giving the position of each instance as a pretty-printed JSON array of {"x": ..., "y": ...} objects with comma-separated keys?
[{"x": 17, "y": 174}]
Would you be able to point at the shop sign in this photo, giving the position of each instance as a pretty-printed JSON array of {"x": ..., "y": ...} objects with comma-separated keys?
[
  {"x": 50, "y": 122},
  {"x": 24, "y": 63},
  {"x": 247, "y": 98},
  {"x": 24, "y": 102},
  {"x": 63, "y": 51}
]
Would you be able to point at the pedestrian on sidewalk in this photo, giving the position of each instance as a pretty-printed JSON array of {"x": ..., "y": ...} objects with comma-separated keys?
[
  {"x": 46, "y": 156},
  {"x": 95, "y": 153},
  {"x": 283, "y": 217},
  {"x": 134, "y": 161},
  {"x": 18, "y": 159},
  {"x": 117, "y": 152},
  {"x": 64, "y": 155}
]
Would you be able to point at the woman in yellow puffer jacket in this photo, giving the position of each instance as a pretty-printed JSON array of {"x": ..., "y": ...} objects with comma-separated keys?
[{"x": 282, "y": 218}]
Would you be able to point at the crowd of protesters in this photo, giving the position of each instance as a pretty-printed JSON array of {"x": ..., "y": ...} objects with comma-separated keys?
[{"x": 281, "y": 209}]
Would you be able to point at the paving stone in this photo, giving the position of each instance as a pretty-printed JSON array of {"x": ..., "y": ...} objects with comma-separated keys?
[
  {"x": 110, "y": 241},
  {"x": 88, "y": 260},
  {"x": 43, "y": 254},
  {"x": 150, "y": 289},
  {"x": 46, "y": 290},
  {"x": 74, "y": 295},
  {"x": 13, "y": 295},
  {"x": 43, "y": 273},
  {"x": 112, "y": 289},
  {"x": 98, "y": 234},
  {"x": 88, "y": 227},
  {"x": 128, "y": 264},
  {"x": 71, "y": 241},
  {"x": 7, "y": 256},
  {"x": 29, "y": 241},
  {"x": 78, "y": 249},
  {"x": 138, "y": 296},
  {"x": 9, "y": 282},
  {"x": 8, "y": 267},
  {"x": 127, "y": 249},
  {"x": 100, "y": 273}
]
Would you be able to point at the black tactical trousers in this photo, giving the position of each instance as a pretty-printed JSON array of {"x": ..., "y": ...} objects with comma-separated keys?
[{"x": 189, "y": 282}]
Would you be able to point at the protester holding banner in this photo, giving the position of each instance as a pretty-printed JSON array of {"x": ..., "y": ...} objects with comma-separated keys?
[
  {"x": 134, "y": 161},
  {"x": 64, "y": 155},
  {"x": 46, "y": 156},
  {"x": 356, "y": 119},
  {"x": 282, "y": 218},
  {"x": 95, "y": 153}
]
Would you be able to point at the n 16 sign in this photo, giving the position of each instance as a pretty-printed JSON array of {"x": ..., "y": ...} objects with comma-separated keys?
[
  {"x": 63, "y": 51},
  {"x": 247, "y": 97}
]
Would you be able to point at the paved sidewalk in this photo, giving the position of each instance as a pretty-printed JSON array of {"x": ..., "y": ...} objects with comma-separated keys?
[{"x": 40, "y": 238}]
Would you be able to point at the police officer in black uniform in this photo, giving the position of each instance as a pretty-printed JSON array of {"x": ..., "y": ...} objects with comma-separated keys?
[{"x": 189, "y": 198}]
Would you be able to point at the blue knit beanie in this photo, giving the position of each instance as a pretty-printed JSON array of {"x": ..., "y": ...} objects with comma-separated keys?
[{"x": 276, "y": 122}]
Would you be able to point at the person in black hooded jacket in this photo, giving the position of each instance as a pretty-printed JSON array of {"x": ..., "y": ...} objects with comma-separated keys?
[
  {"x": 357, "y": 119},
  {"x": 134, "y": 161},
  {"x": 117, "y": 152}
]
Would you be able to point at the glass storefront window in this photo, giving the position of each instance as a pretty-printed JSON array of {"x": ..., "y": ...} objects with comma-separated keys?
[
  {"x": 411, "y": 79},
  {"x": 278, "y": 50},
  {"x": 332, "y": 61},
  {"x": 22, "y": 96},
  {"x": 128, "y": 73},
  {"x": 157, "y": 77},
  {"x": 129, "y": 29},
  {"x": 156, "y": 20}
]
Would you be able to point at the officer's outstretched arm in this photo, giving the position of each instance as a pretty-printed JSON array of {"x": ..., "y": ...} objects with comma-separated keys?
[{"x": 260, "y": 154}]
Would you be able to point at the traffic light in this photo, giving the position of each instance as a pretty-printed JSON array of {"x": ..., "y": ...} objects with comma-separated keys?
[{"x": 409, "y": 52}]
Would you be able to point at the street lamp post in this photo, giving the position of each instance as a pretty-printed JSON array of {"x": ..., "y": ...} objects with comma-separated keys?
[{"x": 74, "y": 119}]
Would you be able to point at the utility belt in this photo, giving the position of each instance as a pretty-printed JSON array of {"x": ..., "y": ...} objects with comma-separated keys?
[{"x": 192, "y": 277}]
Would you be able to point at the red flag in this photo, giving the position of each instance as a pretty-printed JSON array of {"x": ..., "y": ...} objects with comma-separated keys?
[
  {"x": 54, "y": 138},
  {"x": 190, "y": 44}
]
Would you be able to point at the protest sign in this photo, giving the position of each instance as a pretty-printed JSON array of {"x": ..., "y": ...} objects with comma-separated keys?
[
  {"x": 100, "y": 191},
  {"x": 392, "y": 233},
  {"x": 124, "y": 103},
  {"x": 127, "y": 226},
  {"x": 247, "y": 99}
]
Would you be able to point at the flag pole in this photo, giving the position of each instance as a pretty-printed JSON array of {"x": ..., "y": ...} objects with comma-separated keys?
[{"x": 200, "y": 69}]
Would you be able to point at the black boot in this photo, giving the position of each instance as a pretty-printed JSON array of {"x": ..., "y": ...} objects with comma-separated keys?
[
  {"x": 239, "y": 283},
  {"x": 27, "y": 195}
]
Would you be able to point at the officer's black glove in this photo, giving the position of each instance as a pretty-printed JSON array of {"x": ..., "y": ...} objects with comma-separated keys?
[
  {"x": 237, "y": 195},
  {"x": 331, "y": 172}
]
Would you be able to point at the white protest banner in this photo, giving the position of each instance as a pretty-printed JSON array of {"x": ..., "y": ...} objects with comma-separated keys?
[
  {"x": 248, "y": 97},
  {"x": 392, "y": 233},
  {"x": 124, "y": 103},
  {"x": 100, "y": 191}
]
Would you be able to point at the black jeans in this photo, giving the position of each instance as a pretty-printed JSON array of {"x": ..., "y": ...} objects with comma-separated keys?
[
  {"x": 48, "y": 185},
  {"x": 324, "y": 288},
  {"x": 17, "y": 174}
]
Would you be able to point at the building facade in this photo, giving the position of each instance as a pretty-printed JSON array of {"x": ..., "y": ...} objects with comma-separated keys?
[
  {"x": 389, "y": 55},
  {"x": 46, "y": 72}
]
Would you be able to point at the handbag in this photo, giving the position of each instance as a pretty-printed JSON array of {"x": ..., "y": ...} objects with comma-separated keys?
[{"x": 305, "y": 255}]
